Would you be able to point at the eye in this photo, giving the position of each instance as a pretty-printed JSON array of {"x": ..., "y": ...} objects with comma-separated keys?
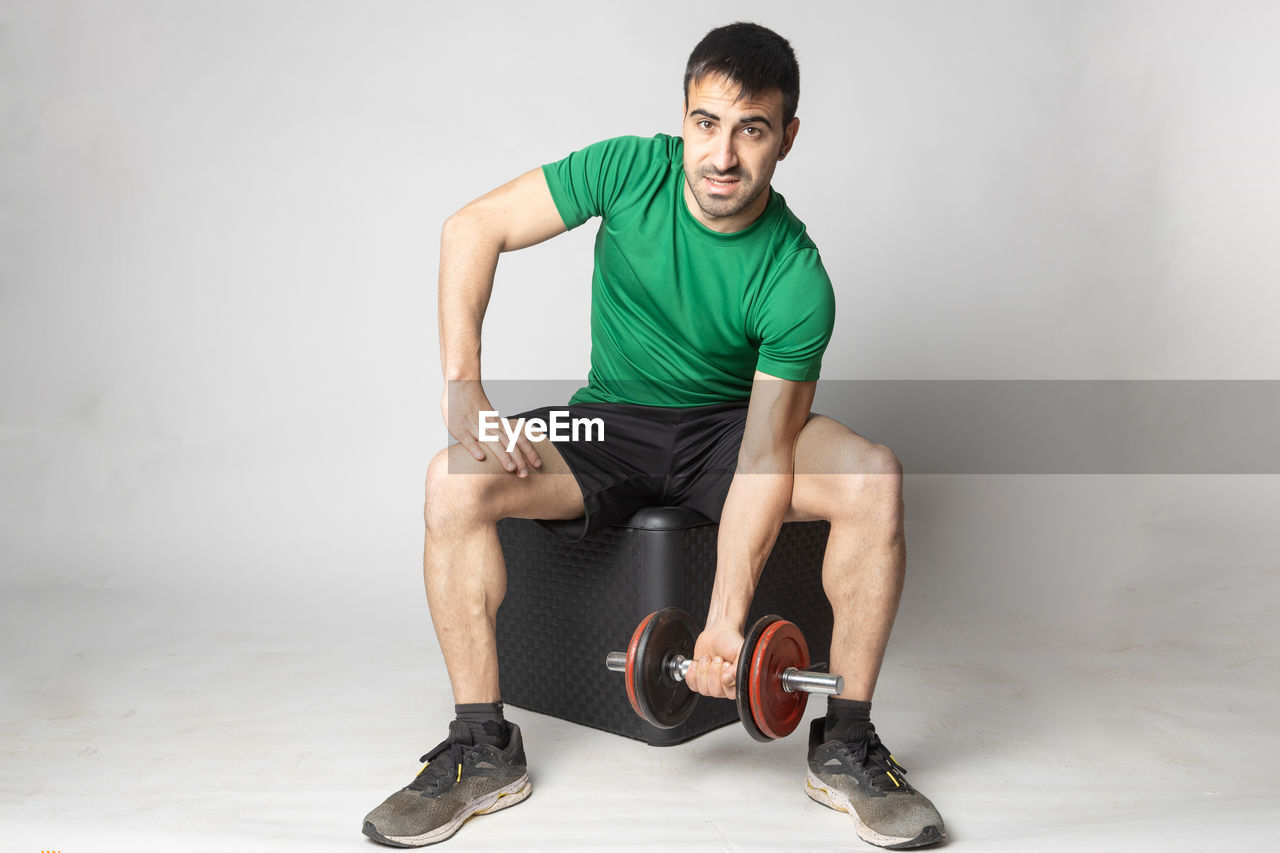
[
  {"x": 705, "y": 124},
  {"x": 751, "y": 131}
]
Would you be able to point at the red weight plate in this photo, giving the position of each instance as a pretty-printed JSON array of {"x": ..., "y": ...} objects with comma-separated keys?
[
  {"x": 744, "y": 676},
  {"x": 631, "y": 663},
  {"x": 775, "y": 711}
]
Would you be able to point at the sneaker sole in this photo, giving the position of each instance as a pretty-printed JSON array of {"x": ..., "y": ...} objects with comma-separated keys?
[
  {"x": 503, "y": 798},
  {"x": 820, "y": 793}
]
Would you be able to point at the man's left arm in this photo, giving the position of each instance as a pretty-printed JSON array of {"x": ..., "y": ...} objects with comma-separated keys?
[{"x": 758, "y": 499}]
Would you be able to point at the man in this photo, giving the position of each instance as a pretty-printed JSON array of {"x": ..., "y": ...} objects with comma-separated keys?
[{"x": 710, "y": 314}]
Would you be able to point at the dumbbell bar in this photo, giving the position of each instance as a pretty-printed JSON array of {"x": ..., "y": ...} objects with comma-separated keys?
[
  {"x": 772, "y": 680},
  {"x": 793, "y": 680}
]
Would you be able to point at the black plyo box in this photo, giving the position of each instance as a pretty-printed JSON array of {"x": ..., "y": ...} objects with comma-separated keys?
[{"x": 569, "y": 604}]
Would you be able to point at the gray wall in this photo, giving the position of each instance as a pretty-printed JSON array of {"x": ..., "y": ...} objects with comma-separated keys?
[{"x": 218, "y": 239}]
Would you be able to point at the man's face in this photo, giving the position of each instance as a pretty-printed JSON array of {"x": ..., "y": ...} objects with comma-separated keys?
[{"x": 731, "y": 148}]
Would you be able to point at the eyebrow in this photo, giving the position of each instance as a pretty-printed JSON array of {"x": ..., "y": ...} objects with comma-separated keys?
[{"x": 755, "y": 119}]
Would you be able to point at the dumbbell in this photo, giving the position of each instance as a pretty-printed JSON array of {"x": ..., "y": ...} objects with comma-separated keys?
[{"x": 773, "y": 682}]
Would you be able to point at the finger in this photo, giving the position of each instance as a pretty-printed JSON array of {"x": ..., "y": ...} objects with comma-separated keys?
[
  {"x": 711, "y": 678},
  {"x": 529, "y": 452},
  {"x": 505, "y": 458},
  {"x": 518, "y": 455},
  {"x": 728, "y": 681},
  {"x": 700, "y": 674},
  {"x": 473, "y": 446},
  {"x": 526, "y": 457},
  {"x": 517, "y": 458}
]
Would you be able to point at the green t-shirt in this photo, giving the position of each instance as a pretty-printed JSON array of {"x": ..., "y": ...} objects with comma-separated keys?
[{"x": 682, "y": 315}]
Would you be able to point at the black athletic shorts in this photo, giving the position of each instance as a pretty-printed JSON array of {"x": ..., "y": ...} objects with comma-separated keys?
[{"x": 649, "y": 456}]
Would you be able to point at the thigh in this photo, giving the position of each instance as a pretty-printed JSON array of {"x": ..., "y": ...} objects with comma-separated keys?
[
  {"x": 827, "y": 455},
  {"x": 549, "y": 491},
  {"x": 617, "y": 454}
]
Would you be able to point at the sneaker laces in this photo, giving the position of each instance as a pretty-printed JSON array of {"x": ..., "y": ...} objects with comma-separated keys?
[
  {"x": 440, "y": 774},
  {"x": 871, "y": 753}
]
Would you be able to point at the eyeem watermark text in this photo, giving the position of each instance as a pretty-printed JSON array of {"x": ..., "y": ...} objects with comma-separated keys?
[{"x": 559, "y": 427}]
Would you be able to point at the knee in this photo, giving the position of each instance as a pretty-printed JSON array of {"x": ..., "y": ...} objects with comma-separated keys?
[
  {"x": 455, "y": 493},
  {"x": 872, "y": 486},
  {"x": 882, "y": 468}
]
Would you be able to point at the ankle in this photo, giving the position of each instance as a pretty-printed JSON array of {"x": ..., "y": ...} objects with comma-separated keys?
[
  {"x": 485, "y": 721},
  {"x": 847, "y": 720}
]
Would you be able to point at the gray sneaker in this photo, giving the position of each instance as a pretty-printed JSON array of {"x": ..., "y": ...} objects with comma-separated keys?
[
  {"x": 461, "y": 778},
  {"x": 862, "y": 779}
]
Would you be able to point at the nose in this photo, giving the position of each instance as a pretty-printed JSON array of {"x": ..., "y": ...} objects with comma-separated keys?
[{"x": 724, "y": 157}]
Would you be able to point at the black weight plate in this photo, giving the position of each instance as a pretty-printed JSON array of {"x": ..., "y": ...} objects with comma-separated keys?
[
  {"x": 663, "y": 701},
  {"x": 744, "y": 677}
]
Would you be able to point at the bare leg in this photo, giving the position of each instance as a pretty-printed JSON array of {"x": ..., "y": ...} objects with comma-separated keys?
[
  {"x": 462, "y": 563},
  {"x": 857, "y": 486}
]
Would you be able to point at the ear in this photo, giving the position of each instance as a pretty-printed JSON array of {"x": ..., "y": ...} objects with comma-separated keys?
[{"x": 789, "y": 137}]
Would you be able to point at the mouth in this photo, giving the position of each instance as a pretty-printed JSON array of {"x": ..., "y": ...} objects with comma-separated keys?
[{"x": 721, "y": 184}]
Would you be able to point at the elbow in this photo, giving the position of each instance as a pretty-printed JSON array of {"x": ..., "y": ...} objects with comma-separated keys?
[
  {"x": 461, "y": 225},
  {"x": 472, "y": 229}
]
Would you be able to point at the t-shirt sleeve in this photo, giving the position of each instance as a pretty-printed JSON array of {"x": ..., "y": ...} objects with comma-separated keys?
[
  {"x": 588, "y": 182},
  {"x": 795, "y": 318}
]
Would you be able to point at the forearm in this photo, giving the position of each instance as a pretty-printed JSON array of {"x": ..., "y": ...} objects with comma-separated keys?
[
  {"x": 759, "y": 495},
  {"x": 749, "y": 523},
  {"x": 468, "y": 260}
]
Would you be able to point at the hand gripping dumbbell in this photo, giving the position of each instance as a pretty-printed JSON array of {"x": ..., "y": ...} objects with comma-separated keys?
[{"x": 773, "y": 682}]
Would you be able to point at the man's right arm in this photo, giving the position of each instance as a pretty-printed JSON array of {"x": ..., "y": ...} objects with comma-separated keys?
[{"x": 517, "y": 214}]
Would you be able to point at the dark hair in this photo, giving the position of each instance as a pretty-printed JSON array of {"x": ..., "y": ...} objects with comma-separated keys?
[{"x": 755, "y": 57}]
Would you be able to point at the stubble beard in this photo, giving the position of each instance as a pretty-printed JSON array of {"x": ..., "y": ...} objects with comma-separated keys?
[{"x": 721, "y": 208}]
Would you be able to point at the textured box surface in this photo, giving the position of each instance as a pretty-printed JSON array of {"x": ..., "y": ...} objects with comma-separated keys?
[{"x": 569, "y": 604}]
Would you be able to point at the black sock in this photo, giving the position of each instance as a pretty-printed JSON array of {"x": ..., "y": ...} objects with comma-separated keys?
[
  {"x": 478, "y": 712},
  {"x": 847, "y": 719},
  {"x": 485, "y": 721}
]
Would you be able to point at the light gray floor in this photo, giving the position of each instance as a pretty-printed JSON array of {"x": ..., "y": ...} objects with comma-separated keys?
[{"x": 1066, "y": 674}]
